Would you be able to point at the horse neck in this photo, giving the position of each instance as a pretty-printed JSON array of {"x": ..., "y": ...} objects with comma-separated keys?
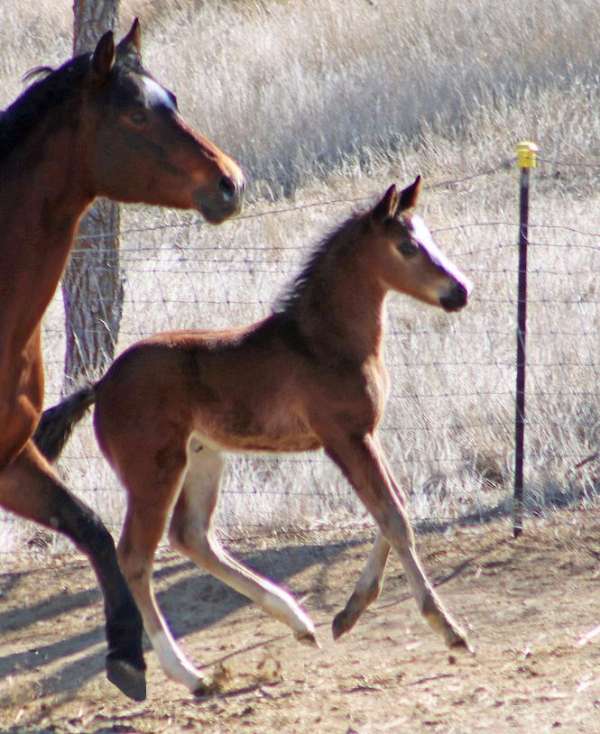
[
  {"x": 43, "y": 195},
  {"x": 342, "y": 311}
]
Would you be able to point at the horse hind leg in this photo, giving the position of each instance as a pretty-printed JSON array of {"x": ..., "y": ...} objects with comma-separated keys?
[
  {"x": 191, "y": 533},
  {"x": 30, "y": 488}
]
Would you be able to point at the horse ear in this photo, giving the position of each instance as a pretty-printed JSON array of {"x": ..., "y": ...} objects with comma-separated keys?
[
  {"x": 409, "y": 196},
  {"x": 132, "y": 42},
  {"x": 104, "y": 55},
  {"x": 386, "y": 208}
]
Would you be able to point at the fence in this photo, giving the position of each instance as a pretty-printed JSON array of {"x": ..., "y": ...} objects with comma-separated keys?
[{"x": 449, "y": 426}]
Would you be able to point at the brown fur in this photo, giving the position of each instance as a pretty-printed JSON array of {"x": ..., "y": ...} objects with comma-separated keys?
[{"x": 310, "y": 375}]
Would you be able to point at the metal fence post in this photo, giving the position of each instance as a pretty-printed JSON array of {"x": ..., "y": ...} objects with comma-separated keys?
[{"x": 526, "y": 159}]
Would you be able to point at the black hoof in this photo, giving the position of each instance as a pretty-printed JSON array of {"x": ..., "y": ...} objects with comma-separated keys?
[{"x": 129, "y": 680}]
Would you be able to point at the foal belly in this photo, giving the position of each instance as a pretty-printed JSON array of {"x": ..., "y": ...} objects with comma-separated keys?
[{"x": 239, "y": 432}]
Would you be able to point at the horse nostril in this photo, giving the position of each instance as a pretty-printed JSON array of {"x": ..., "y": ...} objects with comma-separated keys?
[{"x": 228, "y": 188}]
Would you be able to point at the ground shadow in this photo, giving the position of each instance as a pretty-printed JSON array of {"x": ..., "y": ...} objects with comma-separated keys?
[{"x": 278, "y": 564}]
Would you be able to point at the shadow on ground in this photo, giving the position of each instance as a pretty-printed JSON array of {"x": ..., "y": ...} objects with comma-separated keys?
[{"x": 278, "y": 564}]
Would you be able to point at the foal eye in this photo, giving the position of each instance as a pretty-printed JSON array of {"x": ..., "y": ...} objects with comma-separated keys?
[{"x": 408, "y": 248}]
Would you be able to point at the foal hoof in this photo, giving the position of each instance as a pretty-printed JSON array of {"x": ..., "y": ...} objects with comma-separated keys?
[
  {"x": 342, "y": 622},
  {"x": 456, "y": 639},
  {"x": 461, "y": 642},
  {"x": 307, "y": 638},
  {"x": 207, "y": 687},
  {"x": 128, "y": 679}
]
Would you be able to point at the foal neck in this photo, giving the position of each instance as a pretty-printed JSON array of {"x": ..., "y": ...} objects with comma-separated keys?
[{"x": 339, "y": 304}]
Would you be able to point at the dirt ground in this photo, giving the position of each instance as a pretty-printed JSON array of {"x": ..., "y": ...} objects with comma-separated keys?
[{"x": 532, "y": 607}]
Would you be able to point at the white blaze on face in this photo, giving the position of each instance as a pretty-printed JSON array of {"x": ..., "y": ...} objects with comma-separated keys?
[
  {"x": 422, "y": 235},
  {"x": 157, "y": 96}
]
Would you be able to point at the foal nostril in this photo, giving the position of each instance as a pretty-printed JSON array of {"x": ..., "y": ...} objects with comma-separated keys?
[
  {"x": 228, "y": 188},
  {"x": 456, "y": 299}
]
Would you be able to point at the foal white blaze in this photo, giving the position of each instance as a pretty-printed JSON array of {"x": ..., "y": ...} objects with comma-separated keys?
[{"x": 423, "y": 237}]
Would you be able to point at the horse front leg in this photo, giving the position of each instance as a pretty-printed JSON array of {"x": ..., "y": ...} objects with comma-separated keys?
[{"x": 360, "y": 459}]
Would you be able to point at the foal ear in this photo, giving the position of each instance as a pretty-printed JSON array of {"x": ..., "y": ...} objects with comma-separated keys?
[
  {"x": 386, "y": 208},
  {"x": 409, "y": 196},
  {"x": 104, "y": 55},
  {"x": 132, "y": 42}
]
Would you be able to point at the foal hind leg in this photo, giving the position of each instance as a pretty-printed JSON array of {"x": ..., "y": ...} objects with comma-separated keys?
[
  {"x": 191, "y": 533},
  {"x": 149, "y": 503},
  {"x": 30, "y": 488}
]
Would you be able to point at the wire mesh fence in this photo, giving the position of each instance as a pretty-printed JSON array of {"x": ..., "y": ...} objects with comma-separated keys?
[{"x": 448, "y": 428}]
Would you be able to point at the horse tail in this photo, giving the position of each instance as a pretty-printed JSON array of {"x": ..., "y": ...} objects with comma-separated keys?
[{"x": 57, "y": 423}]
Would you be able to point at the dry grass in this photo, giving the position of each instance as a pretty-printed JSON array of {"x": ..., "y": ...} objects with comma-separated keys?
[{"x": 327, "y": 105}]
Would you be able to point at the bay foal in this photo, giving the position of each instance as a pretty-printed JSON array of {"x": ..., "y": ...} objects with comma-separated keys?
[
  {"x": 310, "y": 375},
  {"x": 100, "y": 125}
]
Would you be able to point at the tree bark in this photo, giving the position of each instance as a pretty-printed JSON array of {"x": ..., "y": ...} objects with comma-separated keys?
[{"x": 92, "y": 285}]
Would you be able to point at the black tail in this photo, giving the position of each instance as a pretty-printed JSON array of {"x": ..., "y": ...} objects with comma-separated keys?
[{"x": 57, "y": 423}]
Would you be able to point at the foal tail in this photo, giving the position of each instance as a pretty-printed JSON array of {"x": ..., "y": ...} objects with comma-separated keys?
[{"x": 57, "y": 423}]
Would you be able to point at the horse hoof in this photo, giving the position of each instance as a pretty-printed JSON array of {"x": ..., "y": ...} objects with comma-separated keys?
[
  {"x": 307, "y": 638},
  {"x": 128, "y": 679}
]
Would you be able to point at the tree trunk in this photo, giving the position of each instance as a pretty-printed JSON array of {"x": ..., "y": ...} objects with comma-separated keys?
[{"x": 92, "y": 285}]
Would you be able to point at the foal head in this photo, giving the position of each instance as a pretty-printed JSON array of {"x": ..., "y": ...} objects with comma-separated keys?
[
  {"x": 139, "y": 148},
  {"x": 406, "y": 257}
]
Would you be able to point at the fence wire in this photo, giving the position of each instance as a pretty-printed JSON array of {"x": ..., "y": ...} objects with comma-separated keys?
[{"x": 448, "y": 428}]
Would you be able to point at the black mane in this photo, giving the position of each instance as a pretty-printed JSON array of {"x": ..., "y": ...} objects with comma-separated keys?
[
  {"x": 45, "y": 94},
  {"x": 330, "y": 245}
]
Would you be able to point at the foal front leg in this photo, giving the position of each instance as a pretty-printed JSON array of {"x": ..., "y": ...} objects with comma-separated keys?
[
  {"x": 367, "y": 589},
  {"x": 360, "y": 460},
  {"x": 369, "y": 585}
]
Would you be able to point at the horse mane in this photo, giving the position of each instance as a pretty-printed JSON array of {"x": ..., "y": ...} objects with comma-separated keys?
[
  {"x": 341, "y": 238},
  {"x": 54, "y": 88}
]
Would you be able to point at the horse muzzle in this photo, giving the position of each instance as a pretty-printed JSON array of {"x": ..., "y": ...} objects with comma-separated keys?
[{"x": 225, "y": 202}]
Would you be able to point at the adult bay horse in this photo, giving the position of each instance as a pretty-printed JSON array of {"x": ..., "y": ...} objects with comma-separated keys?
[
  {"x": 310, "y": 375},
  {"x": 100, "y": 125}
]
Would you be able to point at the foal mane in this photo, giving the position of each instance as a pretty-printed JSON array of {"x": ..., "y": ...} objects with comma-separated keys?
[
  {"x": 336, "y": 242},
  {"x": 52, "y": 89}
]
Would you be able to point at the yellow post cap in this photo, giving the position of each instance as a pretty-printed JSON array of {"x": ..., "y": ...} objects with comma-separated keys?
[{"x": 526, "y": 154}]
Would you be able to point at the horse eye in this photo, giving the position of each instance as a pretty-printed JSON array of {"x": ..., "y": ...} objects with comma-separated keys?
[
  {"x": 408, "y": 248},
  {"x": 138, "y": 117}
]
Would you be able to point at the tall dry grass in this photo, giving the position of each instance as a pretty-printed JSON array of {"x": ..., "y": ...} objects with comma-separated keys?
[{"x": 331, "y": 100}]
